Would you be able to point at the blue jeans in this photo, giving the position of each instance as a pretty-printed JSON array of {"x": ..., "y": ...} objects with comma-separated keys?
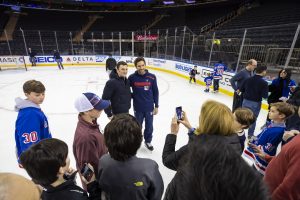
[
  {"x": 255, "y": 107},
  {"x": 148, "y": 116},
  {"x": 59, "y": 64}
]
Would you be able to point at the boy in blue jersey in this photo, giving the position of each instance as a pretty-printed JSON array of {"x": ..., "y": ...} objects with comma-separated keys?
[
  {"x": 32, "y": 124},
  {"x": 271, "y": 136},
  {"x": 219, "y": 69},
  {"x": 208, "y": 81}
]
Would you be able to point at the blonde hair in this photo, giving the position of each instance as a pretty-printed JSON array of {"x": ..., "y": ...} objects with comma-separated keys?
[
  {"x": 215, "y": 119},
  {"x": 14, "y": 186}
]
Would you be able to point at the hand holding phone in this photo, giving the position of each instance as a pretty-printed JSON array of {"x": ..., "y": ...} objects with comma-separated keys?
[
  {"x": 87, "y": 172},
  {"x": 179, "y": 113}
]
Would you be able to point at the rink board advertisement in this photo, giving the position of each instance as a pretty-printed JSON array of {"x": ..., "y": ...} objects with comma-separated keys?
[
  {"x": 183, "y": 69},
  {"x": 11, "y": 61},
  {"x": 80, "y": 60}
]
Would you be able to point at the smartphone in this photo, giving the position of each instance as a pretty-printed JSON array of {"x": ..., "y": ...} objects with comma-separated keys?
[
  {"x": 179, "y": 113},
  {"x": 87, "y": 172}
]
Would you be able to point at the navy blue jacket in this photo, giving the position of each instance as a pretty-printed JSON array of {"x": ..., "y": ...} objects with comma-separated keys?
[
  {"x": 117, "y": 91},
  {"x": 238, "y": 79},
  {"x": 145, "y": 91},
  {"x": 56, "y": 55},
  {"x": 255, "y": 88}
]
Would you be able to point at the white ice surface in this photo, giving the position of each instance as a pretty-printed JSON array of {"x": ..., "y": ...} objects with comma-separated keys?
[{"x": 62, "y": 87}]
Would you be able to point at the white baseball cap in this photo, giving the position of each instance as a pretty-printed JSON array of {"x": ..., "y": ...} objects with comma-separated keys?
[{"x": 88, "y": 101}]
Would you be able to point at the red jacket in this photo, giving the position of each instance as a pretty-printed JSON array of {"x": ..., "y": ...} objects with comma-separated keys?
[
  {"x": 88, "y": 144},
  {"x": 283, "y": 174}
]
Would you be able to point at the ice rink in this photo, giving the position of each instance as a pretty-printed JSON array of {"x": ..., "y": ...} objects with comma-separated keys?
[{"x": 62, "y": 87}]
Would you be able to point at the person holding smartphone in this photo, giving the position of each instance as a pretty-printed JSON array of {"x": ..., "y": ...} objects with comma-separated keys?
[
  {"x": 88, "y": 144},
  {"x": 218, "y": 120},
  {"x": 57, "y": 177}
]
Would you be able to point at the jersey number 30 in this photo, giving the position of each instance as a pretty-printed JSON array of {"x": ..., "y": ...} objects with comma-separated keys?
[{"x": 30, "y": 137}]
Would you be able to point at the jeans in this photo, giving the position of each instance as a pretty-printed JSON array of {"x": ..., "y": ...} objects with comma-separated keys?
[
  {"x": 59, "y": 64},
  {"x": 148, "y": 116},
  {"x": 255, "y": 107}
]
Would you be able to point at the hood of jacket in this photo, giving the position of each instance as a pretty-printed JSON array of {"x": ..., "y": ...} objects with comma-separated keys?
[{"x": 24, "y": 103}]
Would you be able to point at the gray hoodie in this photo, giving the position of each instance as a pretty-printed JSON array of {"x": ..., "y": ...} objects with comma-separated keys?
[{"x": 24, "y": 103}]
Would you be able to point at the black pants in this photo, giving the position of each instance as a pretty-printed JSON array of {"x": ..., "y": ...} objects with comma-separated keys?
[
  {"x": 237, "y": 101},
  {"x": 192, "y": 78},
  {"x": 216, "y": 84}
]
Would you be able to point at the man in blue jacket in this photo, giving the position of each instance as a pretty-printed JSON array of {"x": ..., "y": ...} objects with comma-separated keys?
[
  {"x": 145, "y": 98},
  {"x": 58, "y": 59},
  {"x": 254, "y": 89}
]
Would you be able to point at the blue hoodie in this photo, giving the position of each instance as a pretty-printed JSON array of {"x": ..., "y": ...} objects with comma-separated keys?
[
  {"x": 31, "y": 125},
  {"x": 145, "y": 91}
]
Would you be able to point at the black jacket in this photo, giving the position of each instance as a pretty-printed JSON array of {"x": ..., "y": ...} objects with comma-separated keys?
[
  {"x": 293, "y": 122},
  {"x": 171, "y": 157},
  {"x": 295, "y": 98},
  {"x": 32, "y": 54},
  {"x": 111, "y": 63},
  {"x": 172, "y": 190},
  {"x": 113, "y": 74},
  {"x": 69, "y": 190},
  {"x": 118, "y": 92}
]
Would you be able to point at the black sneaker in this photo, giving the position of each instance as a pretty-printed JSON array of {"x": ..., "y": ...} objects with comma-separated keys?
[{"x": 149, "y": 146}]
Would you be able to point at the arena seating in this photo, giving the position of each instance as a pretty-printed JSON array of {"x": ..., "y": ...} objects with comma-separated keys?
[
  {"x": 265, "y": 14},
  {"x": 194, "y": 17}
]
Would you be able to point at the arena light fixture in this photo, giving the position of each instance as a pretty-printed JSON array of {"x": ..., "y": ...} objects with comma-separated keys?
[
  {"x": 169, "y": 2},
  {"x": 190, "y": 1}
]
